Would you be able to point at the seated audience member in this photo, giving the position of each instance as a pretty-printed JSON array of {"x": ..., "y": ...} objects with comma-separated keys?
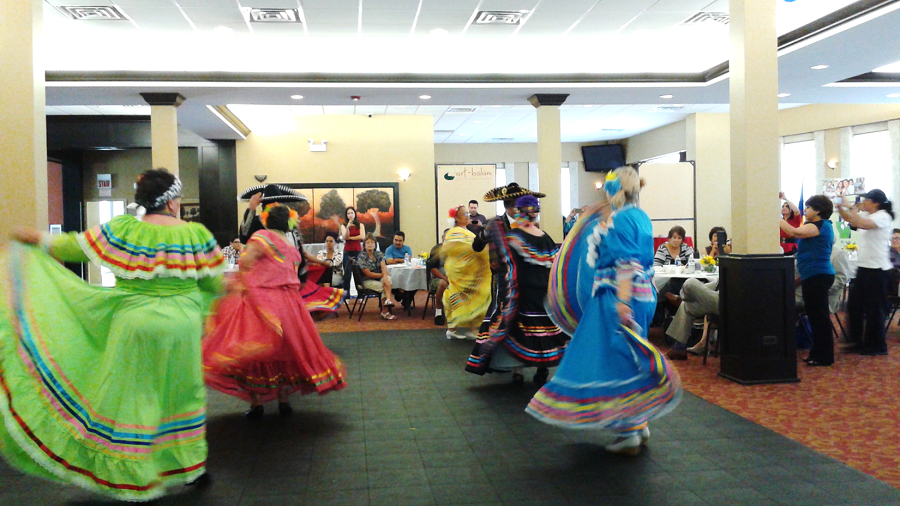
[
  {"x": 439, "y": 281},
  {"x": 232, "y": 252},
  {"x": 396, "y": 254},
  {"x": 476, "y": 220},
  {"x": 895, "y": 248},
  {"x": 794, "y": 217},
  {"x": 698, "y": 300},
  {"x": 333, "y": 259},
  {"x": 673, "y": 248},
  {"x": 397, "y": 251},
  {"x": 713, "y": 248},
  {"x": 373, "y": 268}
]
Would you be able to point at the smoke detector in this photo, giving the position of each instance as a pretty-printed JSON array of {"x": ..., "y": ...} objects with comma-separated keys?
[{"x": 499, "y": 17}]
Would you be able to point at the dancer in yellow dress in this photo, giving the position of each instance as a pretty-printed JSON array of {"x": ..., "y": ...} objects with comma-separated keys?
[{"x": 468, "y": 296}]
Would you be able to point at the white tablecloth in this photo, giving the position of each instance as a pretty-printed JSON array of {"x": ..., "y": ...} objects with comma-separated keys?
[
  {"x": 409, "y": 278},
  {"x": 661, "y": 278}
]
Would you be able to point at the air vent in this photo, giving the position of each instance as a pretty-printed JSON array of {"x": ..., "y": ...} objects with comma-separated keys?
[
  {"x": 502, "y": 139},
  {"x": 703, "y": 18},
  {"x": 271, "y": 15},
  {"x": 443, "y": 132},
  {"x": 499, "y": 17},
  {"x": 667, "y": 108},
  {"x": 461, "y": 109},
  {"x": 92, "y": 13}
]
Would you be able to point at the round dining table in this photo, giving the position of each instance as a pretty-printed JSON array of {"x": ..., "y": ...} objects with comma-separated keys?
[
  {"x": 409, "y": 278},
  {"x": 661, "y": 277}
]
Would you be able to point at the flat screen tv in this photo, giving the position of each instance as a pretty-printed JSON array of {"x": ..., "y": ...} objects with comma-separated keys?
[{"x": 603, "y": 158}]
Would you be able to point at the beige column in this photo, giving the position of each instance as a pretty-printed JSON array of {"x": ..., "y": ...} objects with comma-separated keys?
[
  {"x": 753, "y": 83},
  {"x": 23, "y": 124},
  {"x": 164, "y": 129},
  {"x": 549, "y": 144}
]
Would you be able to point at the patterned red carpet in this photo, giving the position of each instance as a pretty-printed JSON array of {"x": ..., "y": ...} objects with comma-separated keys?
[{"x": 850, "y": 411}]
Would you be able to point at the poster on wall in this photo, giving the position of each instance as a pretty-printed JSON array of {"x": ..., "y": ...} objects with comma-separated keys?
[
  {"x": 376, "y": 205},
  {"x": 458, "y": 184},
  {"x": 843, "y": 190}
]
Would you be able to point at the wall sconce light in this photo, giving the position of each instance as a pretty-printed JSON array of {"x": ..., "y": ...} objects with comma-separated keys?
[
  {"x": 598, "y": 185},
  {"x": 404, "y": 174},
  {"x": 260, "y": 177},
  {"x": 832, "y": 164}
]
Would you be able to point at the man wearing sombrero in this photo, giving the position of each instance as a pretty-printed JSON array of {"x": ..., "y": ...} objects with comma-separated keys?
[
  {"x": 265, "y": 194},
  {"x": 508, "y": 194}
]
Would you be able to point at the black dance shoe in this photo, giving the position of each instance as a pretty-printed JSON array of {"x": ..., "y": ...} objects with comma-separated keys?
[
  {"x": 285, "y": 408},
  {"x": 540, "y": 377},
  {"x": 255, "y": 413},
  {"x": 518, "y": 379}
]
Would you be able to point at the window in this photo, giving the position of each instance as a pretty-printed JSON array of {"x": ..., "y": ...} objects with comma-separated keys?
[
  {"x": 798, "y": 170},
  {"x": 870, "y": 157},
  {"x": 565, "y": 194}
]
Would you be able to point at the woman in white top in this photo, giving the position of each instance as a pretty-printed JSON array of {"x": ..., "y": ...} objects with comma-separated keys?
[
  {"x": 333, "y": 259},
  {"x": 868, "y": 293}
]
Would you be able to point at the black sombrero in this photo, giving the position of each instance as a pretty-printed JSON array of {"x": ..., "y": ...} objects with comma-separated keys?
[
  {"x": 273, "y": 193},
  {"x": 511, "y": 191}
]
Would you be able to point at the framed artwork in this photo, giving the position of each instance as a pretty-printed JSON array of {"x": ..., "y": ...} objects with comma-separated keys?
[
  {"x": 376, "y": 205},
  {"x": 190, "y": 210}
]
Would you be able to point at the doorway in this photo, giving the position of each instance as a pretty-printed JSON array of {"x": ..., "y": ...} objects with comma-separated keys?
[{"x": 96, "y": 213}]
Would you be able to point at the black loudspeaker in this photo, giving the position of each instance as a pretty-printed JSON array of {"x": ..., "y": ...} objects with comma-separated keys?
[{"x": 757, "y": 319}]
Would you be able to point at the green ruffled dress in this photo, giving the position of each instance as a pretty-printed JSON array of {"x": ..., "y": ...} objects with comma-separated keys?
[{"x": 100, "y": 387}]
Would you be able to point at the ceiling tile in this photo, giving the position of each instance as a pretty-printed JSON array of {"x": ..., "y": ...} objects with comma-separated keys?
[
  {"x": 332, "y": 16},
  {"x": 445, "y": 5},
  {"x": 445, "y": 18},
  {"x": 390, "y": 5},
  {"x": 681, "y": 6},
  {"x": 279, "y": 29},
  {"x": 400, "y": 110},
  {"x": 215, "y": 16},
  {"x": 435, "y": 110},
  {"x": 602, "y": 23},
  {"x": 655, "y": 21},
  {"x": 306, "y": 110},
  {"x": 270, "y": 4},
  {"x": 331, "y": 4},
  {"x": 370, "y": 109},
  {"x": 388, "y": 17}
]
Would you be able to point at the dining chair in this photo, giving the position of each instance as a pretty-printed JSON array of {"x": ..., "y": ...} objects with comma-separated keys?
[{"x": 363, "y": 294}]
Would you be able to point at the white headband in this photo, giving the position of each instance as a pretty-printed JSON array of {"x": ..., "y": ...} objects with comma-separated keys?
[{"x": 172, "y": 193}]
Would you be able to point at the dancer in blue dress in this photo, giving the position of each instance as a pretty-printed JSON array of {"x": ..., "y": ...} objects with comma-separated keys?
[{"x": 601, "y": 292}]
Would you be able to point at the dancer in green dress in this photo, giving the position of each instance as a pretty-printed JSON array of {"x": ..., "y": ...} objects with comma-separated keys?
[{"x": 103, "y": 387}]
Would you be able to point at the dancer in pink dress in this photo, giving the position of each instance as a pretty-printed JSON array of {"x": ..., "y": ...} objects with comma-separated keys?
[{"x": 262, "y": 343}]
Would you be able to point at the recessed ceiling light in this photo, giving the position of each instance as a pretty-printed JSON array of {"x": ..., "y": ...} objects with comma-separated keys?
[
  {"x": 425, "y": 97},
  {"x": 782, "y": 95},
  {"x": 819, "y": 67},
  {"x": 666, "y": 96},
  {"x": 297, "y": 97},
  {"x": 223, "y": 30},
  {"x": 439, "y": 32},
  {"x": 894, "y": 95}
]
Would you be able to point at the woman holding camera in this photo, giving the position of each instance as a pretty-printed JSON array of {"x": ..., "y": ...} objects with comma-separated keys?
[{"x": 868, "y": 298}]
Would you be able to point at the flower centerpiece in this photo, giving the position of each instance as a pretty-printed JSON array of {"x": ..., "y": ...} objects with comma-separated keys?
[
  {"x": 708, "y": 263},
  {"x": 851, "y": 247}
]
